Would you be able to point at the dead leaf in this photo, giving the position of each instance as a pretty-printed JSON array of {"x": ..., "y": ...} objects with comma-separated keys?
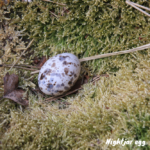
[
  {"x": 11, "y": 90},
  {"x": 10, "y": 83},
  {"x": 17, "y": 96}
]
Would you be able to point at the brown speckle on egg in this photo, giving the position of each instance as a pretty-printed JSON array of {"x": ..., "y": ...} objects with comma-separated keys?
[
  {"x": 48, "y": 71},
  {"x": 75, "y": 65},
  {"x": 64, "y": 63},
  {"x": 71, "y": 73},
  {"x": 42, "y": 76},
  {"x": 62, "y": 58},
  {"x": 66, "y": 71},
  {"x": 49, "y": 86},
  {"x": 53, "y": 65},
  {"x": 67, "y": 63}
]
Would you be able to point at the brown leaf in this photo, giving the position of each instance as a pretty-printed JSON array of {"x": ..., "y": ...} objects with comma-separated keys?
[
  {"x": 11, "y": 91},
  {"x": 17, "y": 96},
  {"x": 10, "y": 83}
]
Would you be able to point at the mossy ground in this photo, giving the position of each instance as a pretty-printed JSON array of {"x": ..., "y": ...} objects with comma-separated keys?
[{"x": 115, "y": 107}]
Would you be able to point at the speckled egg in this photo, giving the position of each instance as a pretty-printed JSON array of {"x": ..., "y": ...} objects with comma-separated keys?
[{"x": 59, "y": 74}]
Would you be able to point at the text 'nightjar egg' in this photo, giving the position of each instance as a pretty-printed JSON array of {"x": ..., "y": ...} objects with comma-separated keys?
[{"x": 59, "y": 74}]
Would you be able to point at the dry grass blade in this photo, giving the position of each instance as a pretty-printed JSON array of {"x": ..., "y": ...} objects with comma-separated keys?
[
  {"x": 116, "y": 53},
  {"x": 55, "y": 2},
  {"x": 135, "y": 6},
  {"x": 146, "y": 8},
  {"x": 110, "y": 54},
  {"x": 34, "y": 72},
  {"x": 96, "y": 79}
]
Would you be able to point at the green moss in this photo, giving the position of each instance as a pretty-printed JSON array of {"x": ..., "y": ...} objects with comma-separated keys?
[{"x": 85, "y": 28}]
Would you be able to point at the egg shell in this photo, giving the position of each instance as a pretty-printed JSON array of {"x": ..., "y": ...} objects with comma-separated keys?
[{"x": 59, "y": 74}]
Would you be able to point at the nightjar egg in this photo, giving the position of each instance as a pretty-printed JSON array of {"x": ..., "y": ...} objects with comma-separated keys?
[{"x": 59, "y": 74}]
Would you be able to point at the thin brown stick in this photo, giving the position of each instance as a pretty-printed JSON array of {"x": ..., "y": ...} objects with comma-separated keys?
[
  {"x": 55, "y": 98},
  {"x": 109, "y": 54},
  {"x": 133, "y": 5},
  {"x": 55, "y": 2},
  {"x": 30, "y": 66},
  {"x": 53, "y": 14},
  {"x": 22, "y": 54}
]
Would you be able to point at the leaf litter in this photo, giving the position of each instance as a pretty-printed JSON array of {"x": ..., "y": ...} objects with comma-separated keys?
[{"x": 11, "y": 90}]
